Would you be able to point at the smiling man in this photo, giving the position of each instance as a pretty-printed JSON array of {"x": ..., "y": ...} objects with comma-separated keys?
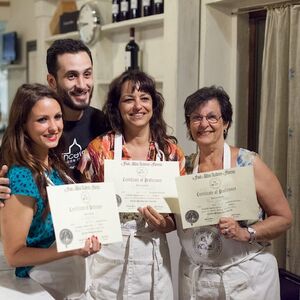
[{"x": 70, "y": 73}]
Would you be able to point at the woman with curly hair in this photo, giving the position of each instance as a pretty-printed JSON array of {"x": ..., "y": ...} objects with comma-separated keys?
[{"x": 139, "y": 267}]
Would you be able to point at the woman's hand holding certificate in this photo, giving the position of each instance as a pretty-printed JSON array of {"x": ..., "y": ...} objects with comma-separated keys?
[
  {"x": 82, "y": 210},
  {"x": 142, "y": 183},
  {"x": 206, "y": 197}
]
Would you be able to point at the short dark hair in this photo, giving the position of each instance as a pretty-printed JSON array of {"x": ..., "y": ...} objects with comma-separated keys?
[
  {"x": 202, "y": 96},
  {"x": 63, "y": 46},
  {"x": 145, "y": 83}
]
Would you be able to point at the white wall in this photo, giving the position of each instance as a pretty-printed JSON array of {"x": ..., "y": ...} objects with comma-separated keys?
[
  {"x": 224, "y": 55},
  {"x": 20, "y": 18}
]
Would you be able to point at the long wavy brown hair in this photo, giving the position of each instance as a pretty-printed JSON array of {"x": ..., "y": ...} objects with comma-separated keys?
[
  {"x": 145, "y": 83},
  {"x": 16, "y": 147}
]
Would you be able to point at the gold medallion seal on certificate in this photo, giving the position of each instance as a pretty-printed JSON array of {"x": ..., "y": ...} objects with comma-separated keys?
[
  {"x": 205, "y": 197},
  {"x": 142, "y": 183},
  {"x": 82, "y": 210}
]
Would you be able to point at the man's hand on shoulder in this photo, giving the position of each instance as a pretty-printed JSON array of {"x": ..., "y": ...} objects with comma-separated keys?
[{"x": 4, "y": 186}]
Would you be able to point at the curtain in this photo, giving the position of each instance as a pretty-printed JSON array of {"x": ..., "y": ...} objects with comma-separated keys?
[
  {"x": 293, "y": 158},
  {"x": 279, "y": 146}
]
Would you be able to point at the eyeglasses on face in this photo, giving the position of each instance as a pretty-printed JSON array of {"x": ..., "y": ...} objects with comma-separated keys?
[{"x": 211, "y": 119}]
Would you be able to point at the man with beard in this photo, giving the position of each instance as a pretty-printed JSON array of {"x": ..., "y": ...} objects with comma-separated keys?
[{"x": 70, "y": 74}]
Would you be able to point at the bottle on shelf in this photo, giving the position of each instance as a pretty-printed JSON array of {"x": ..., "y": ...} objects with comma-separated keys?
[
  {"x": 132, "y": 53},
  {"x": 124, "y": 10},
  {"x": 147, "y": 7},
  {"x": 115, "y": 11},
  {"x": 158, "y": 7},
  {"x": 135, "y": 9}
]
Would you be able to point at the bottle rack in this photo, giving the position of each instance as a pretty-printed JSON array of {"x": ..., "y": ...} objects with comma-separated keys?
[
  {"x": 113, "y": 39},
  {"x": 137, "y": 23}
]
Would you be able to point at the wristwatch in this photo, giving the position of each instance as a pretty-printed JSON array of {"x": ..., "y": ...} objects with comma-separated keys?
[{"x": 252, "y": 237}]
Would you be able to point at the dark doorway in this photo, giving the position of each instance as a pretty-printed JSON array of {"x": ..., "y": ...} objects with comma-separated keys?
[{"x": 257, "y": 22}]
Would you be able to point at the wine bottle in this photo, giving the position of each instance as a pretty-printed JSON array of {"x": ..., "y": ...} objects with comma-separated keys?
[
  {"x": 135, "y": 9},
  {"x": 147, "y": 8},
  {"x": 115, "y": 11},
  {"x": 131, "y": 53},
  {"x": 158, "y": 7},
  {"x": 124, "y": 10}
]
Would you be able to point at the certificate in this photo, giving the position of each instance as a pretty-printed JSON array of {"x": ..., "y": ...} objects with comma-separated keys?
[
  {"x": 142, "y": 183},
  {"x": 205, "y": 197},
  {"x": 82, "y": 210}
]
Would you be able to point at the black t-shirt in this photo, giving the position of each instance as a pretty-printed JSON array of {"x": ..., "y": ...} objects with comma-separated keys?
[{"x": 78, "y": 134}]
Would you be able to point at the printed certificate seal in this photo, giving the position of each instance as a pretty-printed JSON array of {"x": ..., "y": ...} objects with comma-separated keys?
[
  {"x": 191, "y": 216},
  {"x": 66, "y": 236},
  {"x": 207, "y": 243},
  {"x": 142, "y": 172},
  {"x": 85, "y": 197},
  {"x": 119, "y": 200},
  {"x": 215, "y": 183}
]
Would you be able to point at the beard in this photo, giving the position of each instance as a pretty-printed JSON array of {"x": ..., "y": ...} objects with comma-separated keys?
[{"x": 71, "y": 102}]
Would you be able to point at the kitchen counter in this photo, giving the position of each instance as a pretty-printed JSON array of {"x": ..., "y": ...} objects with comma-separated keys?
[{"x": 14, "y": 288}]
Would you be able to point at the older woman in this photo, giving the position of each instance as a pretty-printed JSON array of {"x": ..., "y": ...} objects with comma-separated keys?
[
  {"x": 229, "y": 260},
  {"x": 139, "y": 267}
]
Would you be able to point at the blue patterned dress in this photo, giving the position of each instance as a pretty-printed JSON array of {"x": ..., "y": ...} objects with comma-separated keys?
[{"x": 41, "y": 232}]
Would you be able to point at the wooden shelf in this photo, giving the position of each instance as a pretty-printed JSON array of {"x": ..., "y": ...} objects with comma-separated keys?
[
  {"x": 12, "y": 67},
  {"x": 138, "y": 22},
  {"x": 114, "y": 27},
  {"x": 68, "y": 35}
]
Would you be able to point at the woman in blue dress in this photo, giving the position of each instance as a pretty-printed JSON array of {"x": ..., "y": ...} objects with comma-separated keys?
[{"x": 31, "y": 149}]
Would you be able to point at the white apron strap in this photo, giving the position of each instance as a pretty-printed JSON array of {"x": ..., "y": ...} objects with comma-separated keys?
[
  {"x": 160, "y": 156},
  {"x": 130, "y": 264},
  {"x": 118, "y": 146},
  {"x": 226, "y": 159},
  {"x": 51, "y": 183}
]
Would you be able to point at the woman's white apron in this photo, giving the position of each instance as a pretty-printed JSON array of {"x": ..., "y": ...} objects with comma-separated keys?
[
  {"x": 136, "y": 269},
  {"x": 213, "y": 267},
  {"x": 66, "y": 278}
]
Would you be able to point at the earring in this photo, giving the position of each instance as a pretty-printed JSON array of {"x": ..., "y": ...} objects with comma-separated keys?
[{"x": 225, "y": 131}]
